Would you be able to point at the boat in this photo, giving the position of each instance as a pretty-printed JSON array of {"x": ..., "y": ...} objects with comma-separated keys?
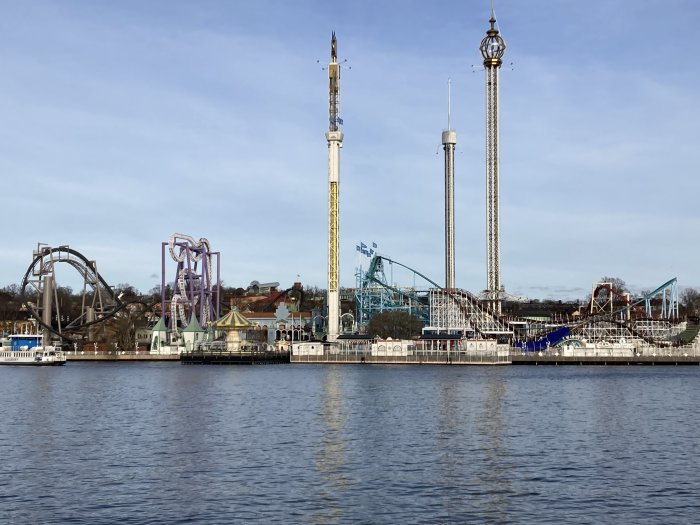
[{"x": 23, "y": 349}]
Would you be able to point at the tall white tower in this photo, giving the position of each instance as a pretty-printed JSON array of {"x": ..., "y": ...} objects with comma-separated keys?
[
  {"x": 492, "y": 49},
  {"x": 449, "y": 140},
  {"x": 334, "y": 136}
]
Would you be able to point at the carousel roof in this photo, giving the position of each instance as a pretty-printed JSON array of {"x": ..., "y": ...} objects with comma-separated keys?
[{"x": 234, "y": 320}]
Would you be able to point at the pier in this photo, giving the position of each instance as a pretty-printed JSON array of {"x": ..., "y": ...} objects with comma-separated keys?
[
  {"x": 234, "y": 358},
  {"x": 648, "y": 360},
  {"x": 457, "y": 359}
]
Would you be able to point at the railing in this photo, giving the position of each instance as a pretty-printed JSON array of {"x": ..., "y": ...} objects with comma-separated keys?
[
  {"x": 643, "y": 351},
  {"x": 106, "y": 352},
  {"x": 413, "y": 358}
]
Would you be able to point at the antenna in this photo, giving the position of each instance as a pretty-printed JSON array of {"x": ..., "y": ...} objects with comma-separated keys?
[
  {"x": 493, "y": 15},
  {"x": 449, "y": 102}
]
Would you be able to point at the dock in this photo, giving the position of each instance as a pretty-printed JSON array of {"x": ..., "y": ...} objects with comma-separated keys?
[
  {"x": 354, "y": 359},
  {"x": 265, "y": 358},
  {"x": 644, "y": 360},
  {"x": 119, "y": 356},
  {"x": 234, "y": 358}
]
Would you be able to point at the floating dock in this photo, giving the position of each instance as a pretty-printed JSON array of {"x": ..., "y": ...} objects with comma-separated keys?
[{"x": 234, "y": 358}]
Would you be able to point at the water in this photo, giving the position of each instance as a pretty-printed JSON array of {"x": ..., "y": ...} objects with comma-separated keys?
[{"x": 164, "y": 443}]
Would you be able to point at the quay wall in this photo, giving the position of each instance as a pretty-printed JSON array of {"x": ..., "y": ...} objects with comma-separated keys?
[
  {"x": 456, "y": 359},
  {"x": 514, "y": 358},
  {"x": 121, "y": 357},
  {"x": 650, "y": 360}
]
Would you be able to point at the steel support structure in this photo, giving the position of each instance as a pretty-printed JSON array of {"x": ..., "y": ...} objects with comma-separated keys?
[{"x": 459, "y": 311}]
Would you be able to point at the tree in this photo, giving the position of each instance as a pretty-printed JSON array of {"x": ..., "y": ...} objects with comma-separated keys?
[
  {"x": 394, "y": 324},
  {"x": 10, "y": 304},
  {"x": 690, "y": 299},
  {"x": 126, "y": 292},
  {"x": 618, "y": 285}
]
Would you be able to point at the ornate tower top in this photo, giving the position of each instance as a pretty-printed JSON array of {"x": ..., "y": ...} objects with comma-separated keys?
[{"x": 492, "y": 46}]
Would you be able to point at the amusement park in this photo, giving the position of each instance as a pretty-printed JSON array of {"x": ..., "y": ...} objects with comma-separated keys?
[{"x": 191, "y": 316}]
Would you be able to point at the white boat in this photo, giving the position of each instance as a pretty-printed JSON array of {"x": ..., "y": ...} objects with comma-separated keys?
[{"x": 23, "y": 349}]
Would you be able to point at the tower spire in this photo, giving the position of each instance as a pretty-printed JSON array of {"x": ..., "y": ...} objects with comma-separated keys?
[
  {"x": 334, "y": 48},
  {"x": 449, "y": 102}
]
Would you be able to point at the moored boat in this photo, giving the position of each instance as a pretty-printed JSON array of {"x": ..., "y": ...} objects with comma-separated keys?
[{"x": 22, "y": 349}]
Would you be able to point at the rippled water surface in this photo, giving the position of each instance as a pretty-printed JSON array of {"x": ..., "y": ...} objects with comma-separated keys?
[{"x": 165, "y": 443}]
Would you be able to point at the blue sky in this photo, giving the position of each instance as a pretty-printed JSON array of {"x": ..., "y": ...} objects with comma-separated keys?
[{"x": 124, "y": 122}]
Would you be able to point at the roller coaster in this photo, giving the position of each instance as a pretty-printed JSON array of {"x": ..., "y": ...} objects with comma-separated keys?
[
  {"x": 612, "y": 316},
  {"x": 656, "y": 323},
  {"x": 652, "y": 318},
  {"x": 38, "y": 289},
  {"x": 455, "y": 310},
  {"x": 195, "y": 298},
  {"x": 375, "y": 294},
  {"x": 194, "y": 295}
]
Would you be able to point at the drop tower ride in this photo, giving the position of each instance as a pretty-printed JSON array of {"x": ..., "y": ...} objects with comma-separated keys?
[
  {"x": 449, "y": 140},
  {"x": 492, "y": 48},
  {"x": 334, "y": 136}
]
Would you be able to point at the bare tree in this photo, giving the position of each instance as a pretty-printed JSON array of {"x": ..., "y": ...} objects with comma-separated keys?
[{"x": 690, "y": 299}]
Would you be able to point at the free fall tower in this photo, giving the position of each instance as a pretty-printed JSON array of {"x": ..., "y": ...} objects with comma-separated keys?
[
  {"x": 334, "y": 136},
  {"x": 492, "y": 48},
  {"x": 449, "y": 140}
]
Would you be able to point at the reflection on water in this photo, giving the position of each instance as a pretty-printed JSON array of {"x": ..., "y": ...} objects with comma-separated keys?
[
  {"x": 470, "y": 436},
  {"x": 497, "y": 474},
  {"x": 330, "y": 458},
  {"x": 453, "y": 466}
]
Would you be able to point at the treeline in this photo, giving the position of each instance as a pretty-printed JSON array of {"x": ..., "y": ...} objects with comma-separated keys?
[{"x": 70, "y": 302}]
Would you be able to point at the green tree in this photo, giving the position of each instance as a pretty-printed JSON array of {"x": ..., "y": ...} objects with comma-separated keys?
[{"x": 394, "y": 324}]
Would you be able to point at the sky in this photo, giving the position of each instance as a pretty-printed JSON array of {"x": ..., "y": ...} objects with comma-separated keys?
[{"x": 122, "y": 123}]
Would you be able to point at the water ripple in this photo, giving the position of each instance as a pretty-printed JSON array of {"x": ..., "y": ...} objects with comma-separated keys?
[{"x": 161, "y": 443}]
